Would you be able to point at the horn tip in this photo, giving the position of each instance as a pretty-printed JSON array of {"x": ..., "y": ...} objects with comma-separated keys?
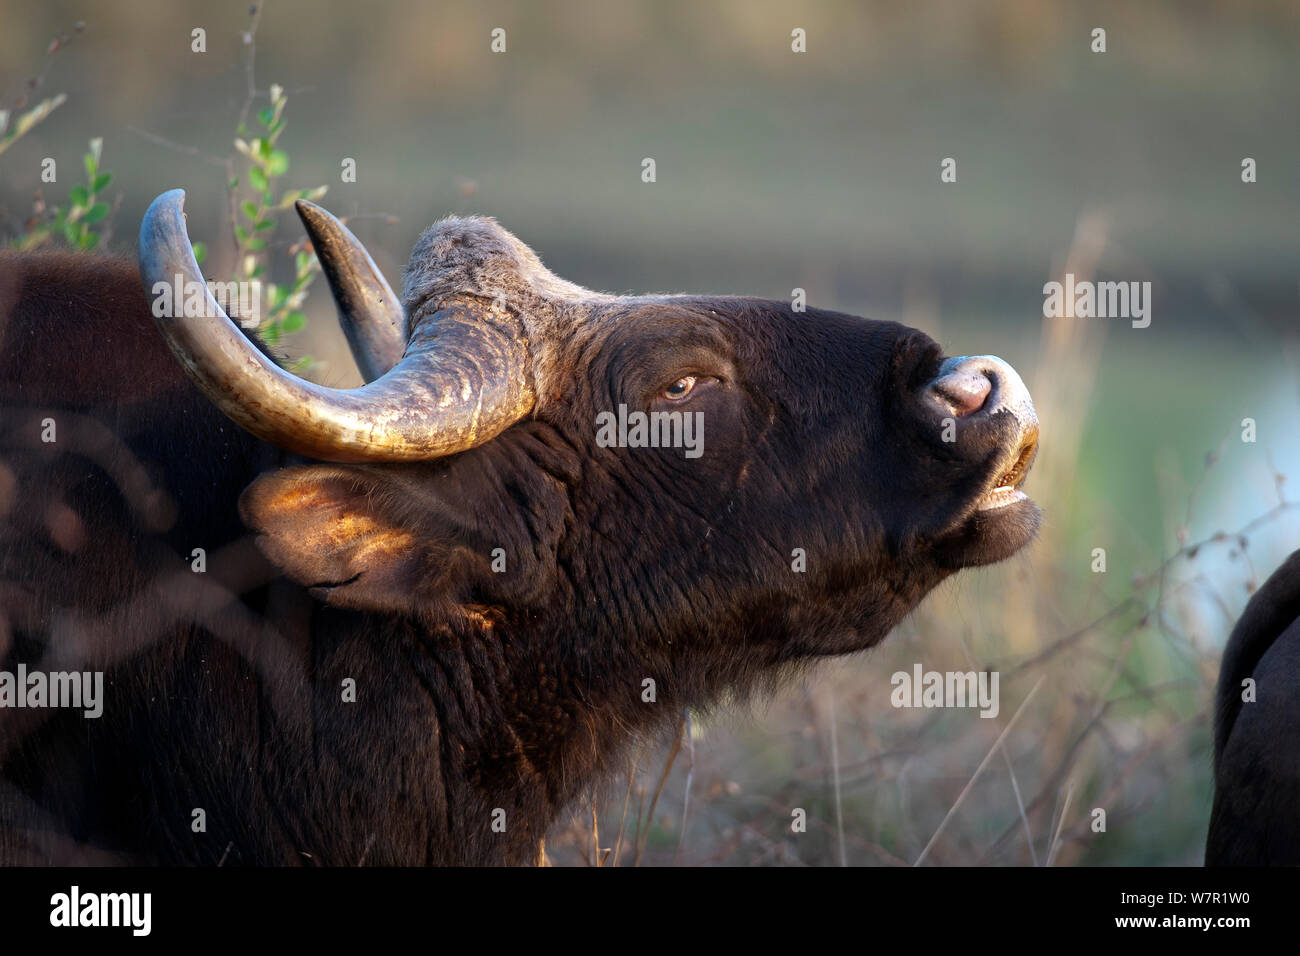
[
  {"x": 164, "y": 217},
  {"x": 172, "y": 197},
  {"x": 308, "y": 211}
]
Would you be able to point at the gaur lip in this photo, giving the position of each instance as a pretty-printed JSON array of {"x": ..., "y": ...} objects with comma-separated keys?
[
  {"x": 1002, "y": 519},
  {"x": 1005, "y": 489}
]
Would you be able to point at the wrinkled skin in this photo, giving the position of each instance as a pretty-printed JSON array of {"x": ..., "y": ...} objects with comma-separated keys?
[{"x": 475, "y": 690}]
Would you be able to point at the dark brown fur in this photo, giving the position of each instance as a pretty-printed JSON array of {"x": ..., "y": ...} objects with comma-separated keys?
[{"x": 476, "y": 690}]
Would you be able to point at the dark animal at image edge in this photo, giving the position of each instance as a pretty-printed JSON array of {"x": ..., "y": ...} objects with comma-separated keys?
[
  {"x": 374, "y": 515},
  {"x": 1255, "y": 819}
]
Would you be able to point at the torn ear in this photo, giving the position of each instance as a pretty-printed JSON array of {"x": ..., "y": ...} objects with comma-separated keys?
[{"x": 334, "y": 531}]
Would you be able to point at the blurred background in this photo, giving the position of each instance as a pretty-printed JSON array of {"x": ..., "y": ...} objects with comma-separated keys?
[{"x": 818, "y": 170}]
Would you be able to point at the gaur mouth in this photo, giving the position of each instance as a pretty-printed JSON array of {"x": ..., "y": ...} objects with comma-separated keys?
[
  {"x": 1003, "y": 519},
  {"x": 1006, "y": 489}
]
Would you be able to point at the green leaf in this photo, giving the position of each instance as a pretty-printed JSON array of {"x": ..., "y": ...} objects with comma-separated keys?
[
  {"x": 241, "y": 234},
  {"x": 257, "y": 178},
  {"x": 97, "y": 212},
  {"x": 278, "y": 163},
  {"x": 234, "y": 182},
  {"x": 89, "y": 162},
  {"x": 101, "y": 182},
  {"x": 265, "y": 116},
  {"x": 294, "y": 321},
  {"x": 264, "y": 224},
  {"x": 79, "y": 196},
  {"x": 257, "y": 271},
  {"x": 89, "y": 241},
  {"x": 250, "y": 209},
  {"x": 263, "y": 147},
  {"x": 200, "y": 251},
  {"x": 255, "y": 245},
  {"x": 71, "y": 233}
]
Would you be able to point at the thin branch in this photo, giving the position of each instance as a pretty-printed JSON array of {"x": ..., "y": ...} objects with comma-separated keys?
[
  {"x": 690, "y": 776},
  {"x": 179, "y": 147},
  {"x": 978, "y": 770},
  {"x": 835, "y": 770},
  {"x": 627, "y": 798},
  {"x": 663, "y": 778}
]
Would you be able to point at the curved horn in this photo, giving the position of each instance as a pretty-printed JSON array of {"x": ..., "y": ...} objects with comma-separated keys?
[
  {"x": 369, "y": 311},
  {"x": 464, "y": 378}
]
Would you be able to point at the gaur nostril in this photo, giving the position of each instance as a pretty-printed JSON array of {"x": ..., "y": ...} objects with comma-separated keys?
[
  {"x": 964, "y": 391},
  {"x": 967, "y": 385}
]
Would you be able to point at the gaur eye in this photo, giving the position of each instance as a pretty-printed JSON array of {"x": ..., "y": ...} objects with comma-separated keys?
[{"x": 680, "y": 388}]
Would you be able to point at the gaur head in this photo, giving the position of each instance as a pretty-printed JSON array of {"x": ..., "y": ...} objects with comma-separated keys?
[{"x": 822, "y": 471}]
